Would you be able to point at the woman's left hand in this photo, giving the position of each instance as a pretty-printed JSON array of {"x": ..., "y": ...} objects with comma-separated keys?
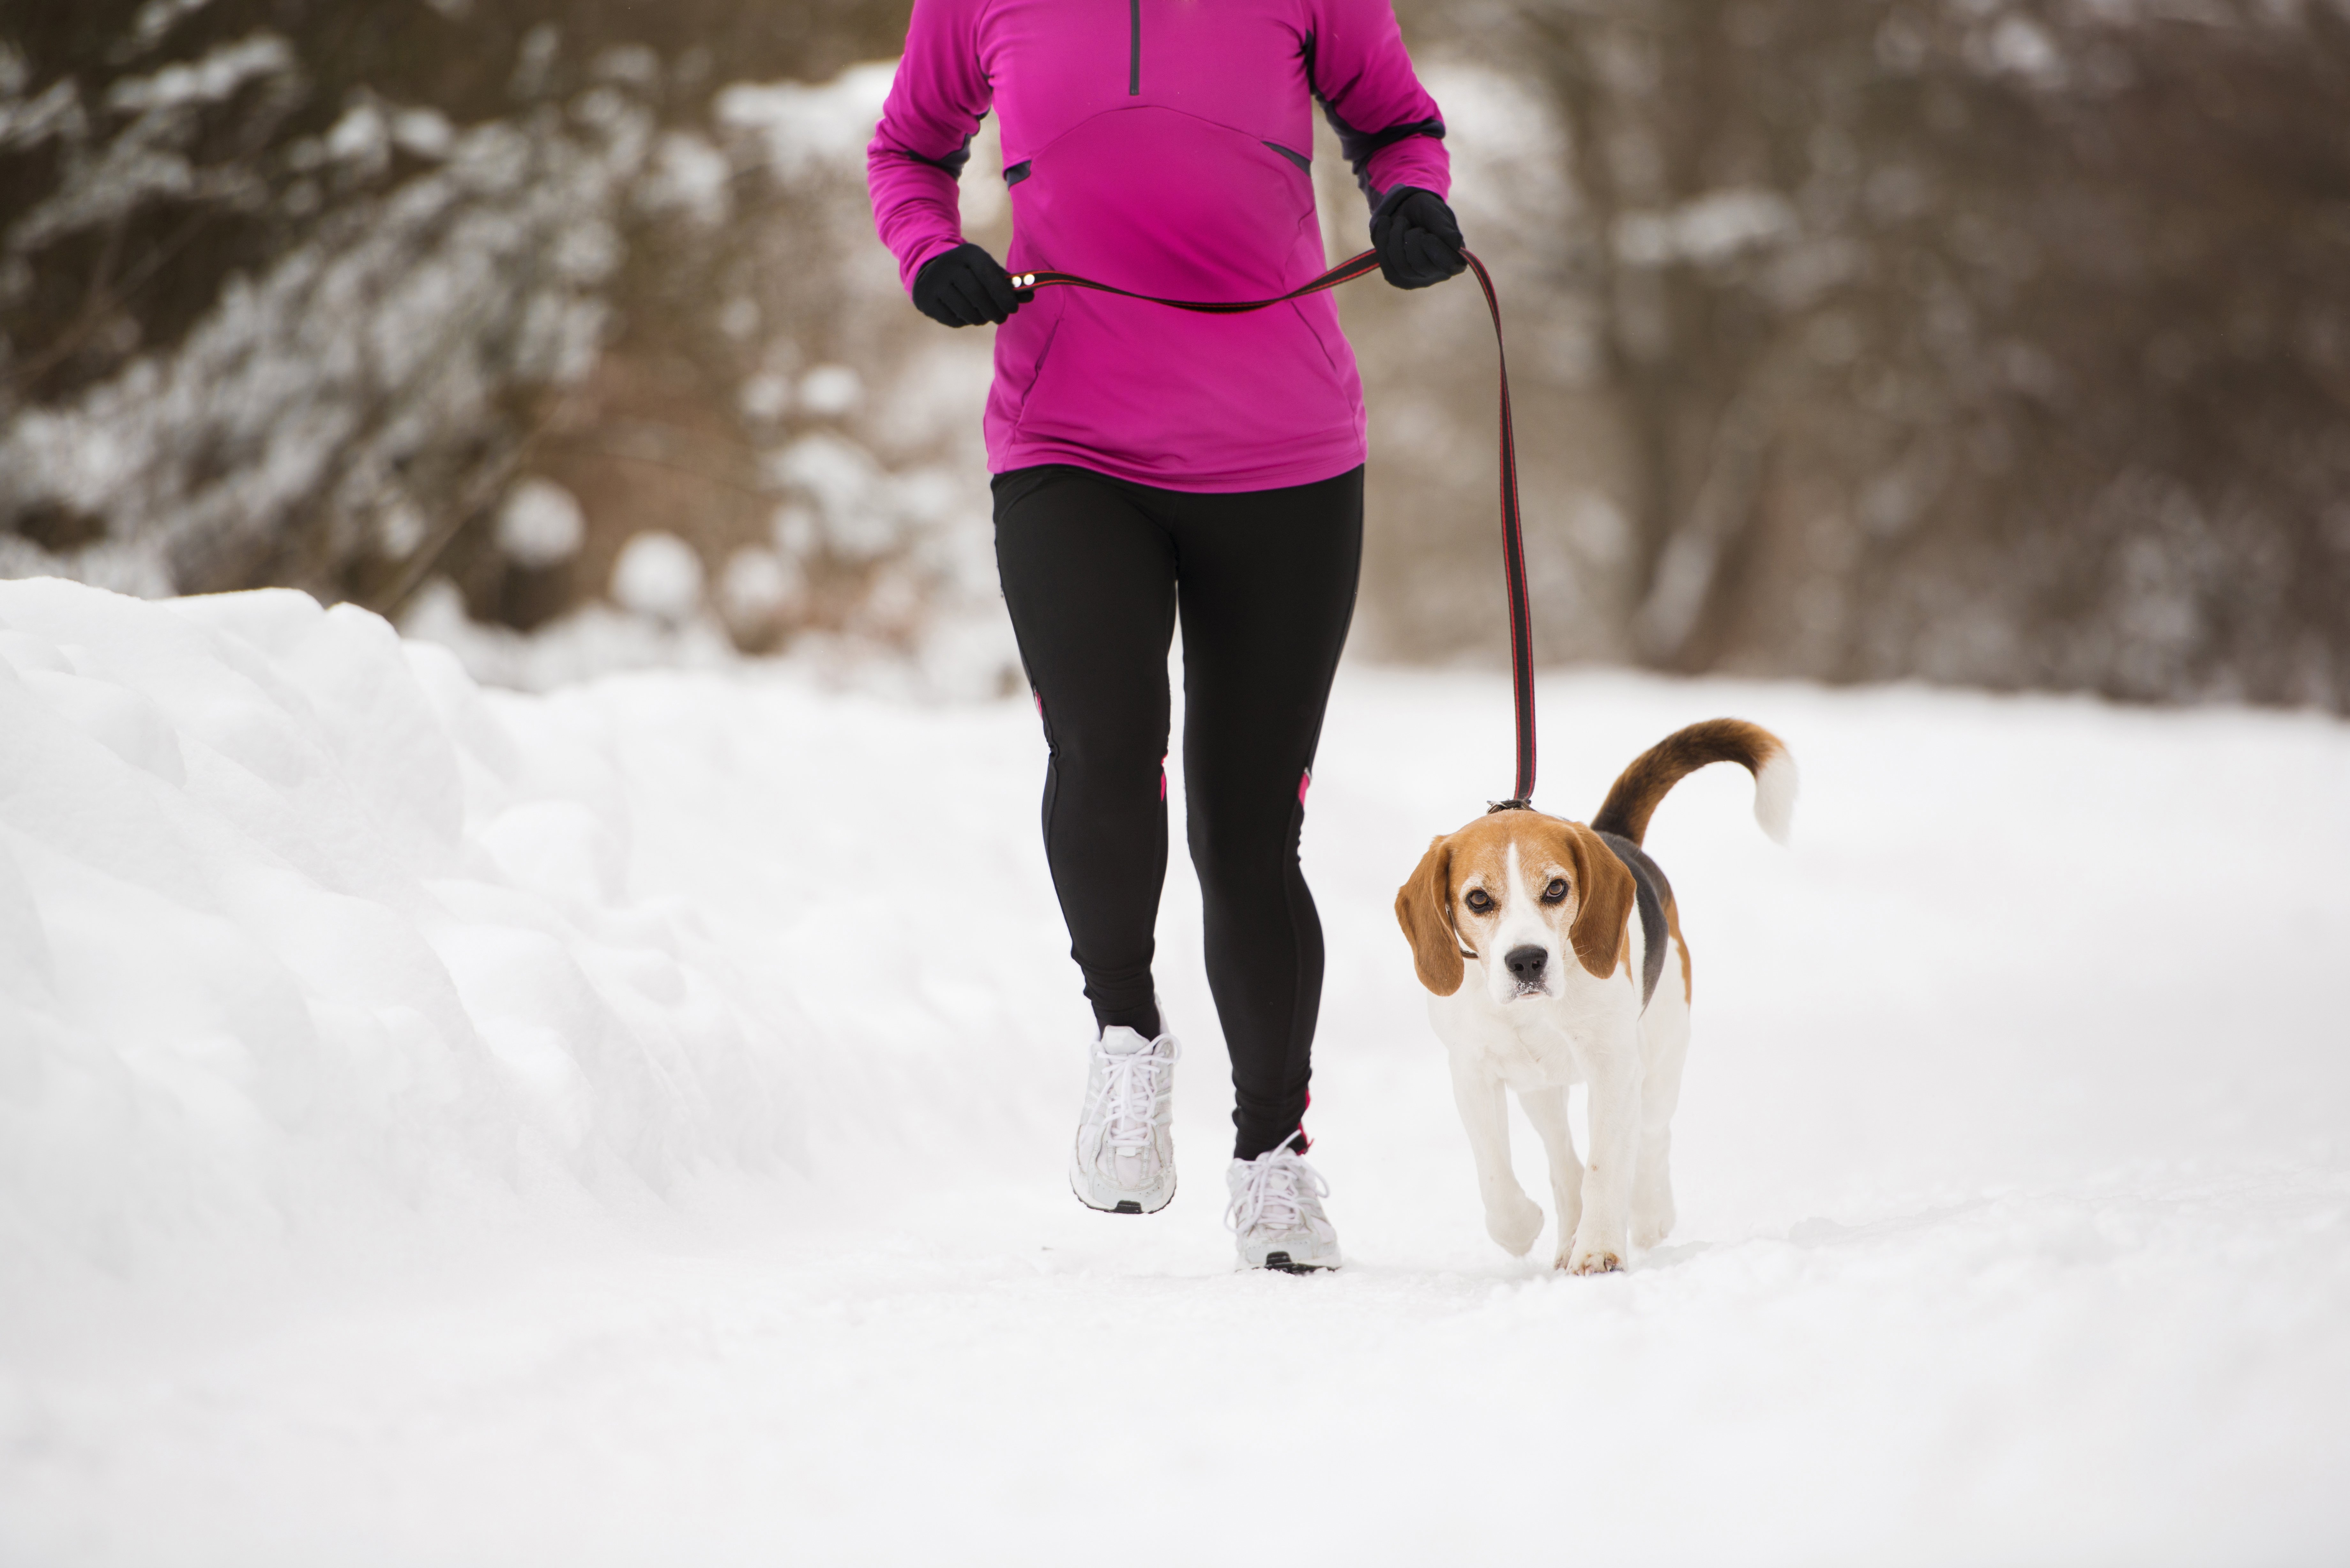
[{"x": 1418, "y": 239}]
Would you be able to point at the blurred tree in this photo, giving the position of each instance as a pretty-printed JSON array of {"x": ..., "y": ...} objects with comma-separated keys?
[
  {"x": 2005, "y": 343},
  {"x": 298, "y": 292}
]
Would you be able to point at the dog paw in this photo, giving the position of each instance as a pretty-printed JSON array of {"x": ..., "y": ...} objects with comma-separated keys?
[
  {"x": 1515, "y": 1226},
  {"x": 1648, "y": 1229},
  {"x": 1596, "y": 1250}
]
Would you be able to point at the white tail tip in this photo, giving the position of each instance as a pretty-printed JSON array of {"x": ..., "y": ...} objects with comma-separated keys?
[{"x": 1776, "y": 784}]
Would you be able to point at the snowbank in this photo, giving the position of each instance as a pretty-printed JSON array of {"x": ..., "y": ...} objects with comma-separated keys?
[
  {"x": 298, "y": 933},
  {"x": 624, "y": 1125}
]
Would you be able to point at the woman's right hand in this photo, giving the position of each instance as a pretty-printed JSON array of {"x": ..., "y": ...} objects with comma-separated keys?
[{"x": 964, "y": 287}]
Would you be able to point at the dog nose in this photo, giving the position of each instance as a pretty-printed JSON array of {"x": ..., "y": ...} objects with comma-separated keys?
[{"x": 1527, "y": 963}]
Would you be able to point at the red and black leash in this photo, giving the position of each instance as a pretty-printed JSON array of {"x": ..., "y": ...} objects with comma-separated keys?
[{"x": 1513, "y": 550}]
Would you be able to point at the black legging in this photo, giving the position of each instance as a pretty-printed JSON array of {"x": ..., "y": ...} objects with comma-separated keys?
[{"x": 1096, "y": 570}]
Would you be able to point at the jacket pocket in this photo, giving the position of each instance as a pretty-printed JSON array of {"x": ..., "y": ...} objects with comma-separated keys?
[{"x": 1021, "y": 356}]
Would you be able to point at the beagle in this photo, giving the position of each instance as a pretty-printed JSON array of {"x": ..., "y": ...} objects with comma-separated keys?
[{"x": 1582, "y": 977}]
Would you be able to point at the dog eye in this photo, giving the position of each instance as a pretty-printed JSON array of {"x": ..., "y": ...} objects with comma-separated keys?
[
  {"x": 1556, "y": 891},
  {"x": 1477, "y": 901}
]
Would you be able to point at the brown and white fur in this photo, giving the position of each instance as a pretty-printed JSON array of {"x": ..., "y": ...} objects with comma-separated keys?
[{"x": 1567, "y": 991}]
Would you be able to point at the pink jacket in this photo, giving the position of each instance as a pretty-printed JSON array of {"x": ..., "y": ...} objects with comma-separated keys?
[{"x": 1162, "y": 145}]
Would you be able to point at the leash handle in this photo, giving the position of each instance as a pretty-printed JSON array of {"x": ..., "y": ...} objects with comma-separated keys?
[{"x": 1513, "y": 548}]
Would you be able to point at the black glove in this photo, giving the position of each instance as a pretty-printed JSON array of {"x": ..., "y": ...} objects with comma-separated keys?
[
  {"x": 964, "y": 287},
  {"x": 1418, "y": 241}
]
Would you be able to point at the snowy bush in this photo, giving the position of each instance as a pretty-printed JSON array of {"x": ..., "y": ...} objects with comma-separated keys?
[{"x": 658, "y": 575}]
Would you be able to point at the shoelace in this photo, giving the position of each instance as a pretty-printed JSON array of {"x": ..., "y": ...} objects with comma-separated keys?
[
  {"x": 1271, "y": 1194},
  {"x": 1132, "y": 1086}
]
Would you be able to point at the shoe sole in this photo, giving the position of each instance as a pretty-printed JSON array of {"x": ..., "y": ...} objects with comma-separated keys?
[
  {"x": 1123, "y": 1206},
  {"x": 1279, "y": 1262}
]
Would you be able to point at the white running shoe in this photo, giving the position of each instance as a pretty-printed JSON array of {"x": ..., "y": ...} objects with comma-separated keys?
[
  {"x": 1124, "y": 1159},
  {"x": 1276, "y": 1213}
]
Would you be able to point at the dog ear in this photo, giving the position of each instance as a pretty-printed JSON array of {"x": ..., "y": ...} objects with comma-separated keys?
[
  {"x": 1422, "y": 910},
  {"x": 1606, "y": 895}
]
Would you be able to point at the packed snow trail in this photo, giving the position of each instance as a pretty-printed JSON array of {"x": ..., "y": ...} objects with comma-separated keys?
[{"x": 626, "y": 1126}]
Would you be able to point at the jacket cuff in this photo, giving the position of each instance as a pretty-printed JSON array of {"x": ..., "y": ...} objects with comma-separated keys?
[
  {"x": 921, "y": 254},
  {"x": 1416, "y": 161}
]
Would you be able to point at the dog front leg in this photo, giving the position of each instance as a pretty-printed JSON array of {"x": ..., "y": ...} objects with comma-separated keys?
[
  {"x": 1512, "y": 1219},
  {"x": 1600, "y": 1243},
  {"x": 1546, "y": 1108}
]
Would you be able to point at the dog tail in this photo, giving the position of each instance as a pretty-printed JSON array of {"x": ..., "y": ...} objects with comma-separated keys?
[{"x": 1639, "y": 787}]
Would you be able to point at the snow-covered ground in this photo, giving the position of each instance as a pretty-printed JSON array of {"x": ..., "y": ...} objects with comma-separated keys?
[{"x": 626, "y": 1126}]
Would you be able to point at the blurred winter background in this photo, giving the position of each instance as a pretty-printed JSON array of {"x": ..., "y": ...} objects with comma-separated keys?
[{"x": 1994, "y": 343}]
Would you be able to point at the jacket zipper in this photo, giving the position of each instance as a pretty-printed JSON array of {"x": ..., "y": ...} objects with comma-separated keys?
[{"x": 1134, "y": 48}]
